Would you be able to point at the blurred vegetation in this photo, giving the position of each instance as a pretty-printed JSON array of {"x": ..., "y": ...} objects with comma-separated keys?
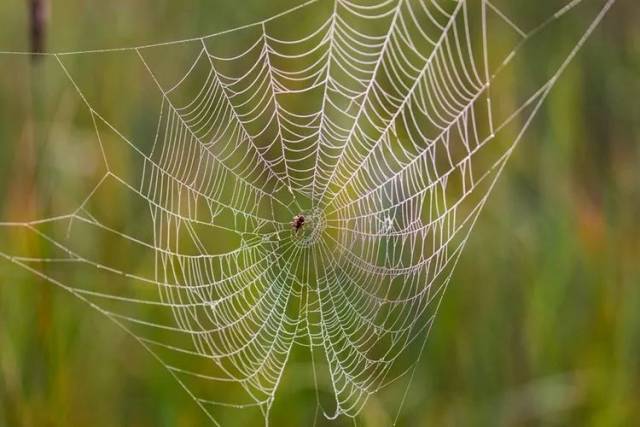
[{"x": 541, "y": 325}]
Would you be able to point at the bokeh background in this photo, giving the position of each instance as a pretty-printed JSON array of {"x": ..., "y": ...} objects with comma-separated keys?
[{"x": 541, "y": 325}]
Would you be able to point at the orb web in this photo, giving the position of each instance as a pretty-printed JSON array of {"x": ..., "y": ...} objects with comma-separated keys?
[{"x": 377, "y": 121}]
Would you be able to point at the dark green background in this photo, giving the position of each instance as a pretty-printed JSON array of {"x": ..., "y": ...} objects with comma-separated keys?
[{"x": 541, "y": 325}]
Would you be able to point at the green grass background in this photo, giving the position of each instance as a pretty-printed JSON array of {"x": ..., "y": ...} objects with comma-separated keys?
[{"x": 541, "y": 325}]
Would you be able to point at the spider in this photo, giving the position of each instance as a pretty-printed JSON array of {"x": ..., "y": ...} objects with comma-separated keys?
[{"x": 298, "y": 222}]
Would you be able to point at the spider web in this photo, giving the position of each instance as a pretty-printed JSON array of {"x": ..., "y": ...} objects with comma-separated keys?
[{"x": 376, "y": 123}]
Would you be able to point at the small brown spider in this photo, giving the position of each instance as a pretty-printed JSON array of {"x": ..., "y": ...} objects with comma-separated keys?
[{"x": 298, "y": 222}]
